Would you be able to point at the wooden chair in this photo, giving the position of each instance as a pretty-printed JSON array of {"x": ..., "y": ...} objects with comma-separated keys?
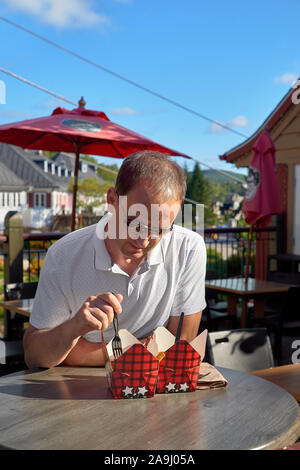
[
  {"x": 13, "y": 322},
  {"x": 241, "y": 349},
  {"x": 11, "y": 346}
]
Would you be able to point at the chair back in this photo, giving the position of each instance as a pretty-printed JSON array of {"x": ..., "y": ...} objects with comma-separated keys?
[
  {"x": 284, "y": 277},
  {"x": 210, "y": 274},
  {"x": 13, "y": 322},
  {"x": 291, "y": 306},
  {"x": 20, "y": 290},
  {"x": 240, "y": 349}
]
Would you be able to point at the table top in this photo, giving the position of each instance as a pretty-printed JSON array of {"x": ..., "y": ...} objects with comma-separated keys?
[
  {"x": 21, "y": 306},
  {"x": 72, "y": 408},
  {"x": 287, "y": 376},
  {"x": 253, "y": 286}
]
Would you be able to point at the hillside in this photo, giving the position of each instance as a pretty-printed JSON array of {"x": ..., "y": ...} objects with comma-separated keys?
[
  {"x": 214, "y": 176},
  {"x": 223, "y": 186}
]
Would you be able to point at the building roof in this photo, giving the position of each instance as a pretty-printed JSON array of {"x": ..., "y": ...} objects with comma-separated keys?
[
  {"x": 9, "y": 180},
  {"x": 270, "y": 122},
  {"x": 18, "y": 161},
  {"x": 25, "y": 168}
]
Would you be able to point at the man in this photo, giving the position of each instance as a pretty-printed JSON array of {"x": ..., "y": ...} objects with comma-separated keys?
[{"x": 133, "y": 262}]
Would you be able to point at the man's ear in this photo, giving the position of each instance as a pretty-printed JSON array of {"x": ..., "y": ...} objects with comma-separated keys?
[{"x": 112, "y": 197}]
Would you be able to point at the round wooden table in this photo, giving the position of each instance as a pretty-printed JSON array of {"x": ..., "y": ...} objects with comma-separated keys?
[{"x": 72, "y": 408}]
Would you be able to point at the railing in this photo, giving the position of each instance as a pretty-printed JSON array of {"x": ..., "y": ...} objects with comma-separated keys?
[
  {"x": 227, "y": 250},
  {"x": 35, "y": 248},
  {"x": 22, "y": 254}
]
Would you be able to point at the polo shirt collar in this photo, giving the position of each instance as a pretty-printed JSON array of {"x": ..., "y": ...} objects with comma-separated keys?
[
  {"x": 102, "y": 259},
  {"x": 156, "y": 256}
]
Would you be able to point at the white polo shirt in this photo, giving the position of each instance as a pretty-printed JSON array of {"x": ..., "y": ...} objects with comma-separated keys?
[{"x": 169, "y": 281}]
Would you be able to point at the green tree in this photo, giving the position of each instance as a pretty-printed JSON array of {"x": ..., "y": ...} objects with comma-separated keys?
[
  {"x": 110, "y": 174},
  {"x": 200, "y": 190}
]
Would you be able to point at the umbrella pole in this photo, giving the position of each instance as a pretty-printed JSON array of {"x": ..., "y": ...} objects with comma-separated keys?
[
  {"x": 75, "y": 189},
  {"x": 248, "y": 254}
]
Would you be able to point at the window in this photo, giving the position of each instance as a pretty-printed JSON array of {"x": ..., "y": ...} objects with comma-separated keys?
[
  {"x": 84, "y": 167},
  {"x": 11, "y": 198},
  {"x": 39, "y": 200}
]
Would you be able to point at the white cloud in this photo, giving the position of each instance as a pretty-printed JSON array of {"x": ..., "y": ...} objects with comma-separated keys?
[
  {"x": 285, "y": 79},
  {"x": 126, "y": 111},
  {"x": 238, "y": 121},
  {"x": 60, "y": 13}
]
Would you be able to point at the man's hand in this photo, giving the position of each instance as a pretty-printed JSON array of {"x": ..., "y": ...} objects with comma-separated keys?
[
  {"x": 64, "y": 343},
  {"x": 96, "y": 313}
]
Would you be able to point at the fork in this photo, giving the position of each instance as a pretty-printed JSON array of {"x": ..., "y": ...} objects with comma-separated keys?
[{"x": 116, "y": 342}]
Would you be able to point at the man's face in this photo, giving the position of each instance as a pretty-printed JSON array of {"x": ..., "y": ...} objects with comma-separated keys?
[{"x": 142, "y": 219}]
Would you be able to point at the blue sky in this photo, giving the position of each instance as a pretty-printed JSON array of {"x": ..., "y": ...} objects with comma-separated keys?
[{"x": 231, "y": 61}]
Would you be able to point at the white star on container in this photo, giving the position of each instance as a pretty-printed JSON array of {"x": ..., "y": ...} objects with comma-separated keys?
[
  {"x": 183, "y": 387},
  {"x": 171, "y": 387},
  {"x": 127, "y": 391},
  {"x": 142, "y": 390}
]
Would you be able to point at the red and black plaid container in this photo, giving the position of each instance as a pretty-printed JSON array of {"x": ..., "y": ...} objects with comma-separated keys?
[
  {"x": 135, "y": 374},
  {"x": 179, "y": 369}
]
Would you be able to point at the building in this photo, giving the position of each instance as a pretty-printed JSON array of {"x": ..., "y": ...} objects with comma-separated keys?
[
  {"x": 37, "y": 186},
  {"x": 283, "y": 125}
]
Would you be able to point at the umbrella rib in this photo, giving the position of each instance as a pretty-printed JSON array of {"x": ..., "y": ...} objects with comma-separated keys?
[
  {"x": 116, "y": 150},
  {"x": 41, "y": 136},
  {"x": 37, "y": 139}
]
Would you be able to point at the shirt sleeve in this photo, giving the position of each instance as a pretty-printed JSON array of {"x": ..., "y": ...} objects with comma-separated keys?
[
  {"x": 50, "y": 306},
  {"x": 190, "y": 293}
]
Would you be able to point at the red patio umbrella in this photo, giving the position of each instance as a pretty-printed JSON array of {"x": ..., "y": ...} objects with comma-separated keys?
[
  {"x": 262, "y": 195},
  {"x": 78, "y": 131}
]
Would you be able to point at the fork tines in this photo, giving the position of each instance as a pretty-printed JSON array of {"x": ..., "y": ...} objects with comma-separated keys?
[{"x": 116, "y": 342}]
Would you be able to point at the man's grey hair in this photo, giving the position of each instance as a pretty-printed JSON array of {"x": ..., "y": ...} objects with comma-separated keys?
[{"x": 154, "y": 169}]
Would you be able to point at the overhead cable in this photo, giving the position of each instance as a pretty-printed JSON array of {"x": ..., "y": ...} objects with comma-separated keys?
[
  {"x": 22, "y": 79},
  {"x": 121, "y": 77}
]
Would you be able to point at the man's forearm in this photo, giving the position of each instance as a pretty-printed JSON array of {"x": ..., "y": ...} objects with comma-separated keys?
[
  {"x": 86, "y": 353},
  {"x": 48, "y": 347}
]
